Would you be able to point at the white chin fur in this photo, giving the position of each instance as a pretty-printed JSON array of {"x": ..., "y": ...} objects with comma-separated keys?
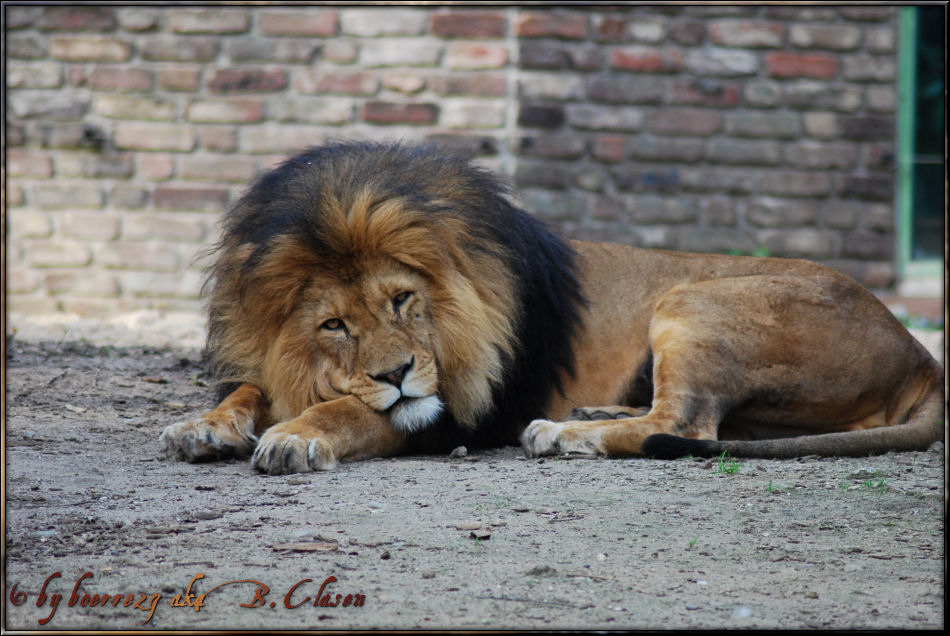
[{"x": 414, "y": 415}]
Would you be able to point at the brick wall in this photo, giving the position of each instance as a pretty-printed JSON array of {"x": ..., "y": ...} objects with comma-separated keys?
[{"x": 743, "y": 129}]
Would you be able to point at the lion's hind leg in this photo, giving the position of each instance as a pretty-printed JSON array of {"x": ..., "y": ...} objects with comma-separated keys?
[{"x": 230, "y": 430}]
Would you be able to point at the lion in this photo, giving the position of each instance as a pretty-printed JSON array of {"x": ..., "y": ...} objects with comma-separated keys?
[{"x": 374, "y": 299}]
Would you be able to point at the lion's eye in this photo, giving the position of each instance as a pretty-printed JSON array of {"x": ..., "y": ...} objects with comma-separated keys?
[
  {"x": 400, "y": 299},
  {"x": 334, "y": 324}
]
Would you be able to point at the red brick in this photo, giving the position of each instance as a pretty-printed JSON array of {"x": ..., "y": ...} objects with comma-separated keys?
[
  {"x": 340, "y": 82},
  {"x": 468, "y": 24},
  {"x": 179, "y": 79},
  {"x": 217, "y": 138},
  {"x": 226, "y": 111},
  {"x": 475, "y": 55},
  {"x": 183, "y": 198},
  {"x": 745, "y": 34},
  {"x": 298, "y": 23},
  {"x": 609, "y": 147},
  {"x": 646, "y": 60},
  {"x": 76, "y": 19},
  {"x": 247, "y": 80},
  {"x": 471, "y": 84},
  {"x": 704, "y": 93},
  {"x": 685, "y": 121},
  {"x": 208, "y": 21},
  {"x": 611, "y": 30},
  {"x": 801, "y": 65},
  {"x": 397, "y": 113},
  {"x": 90, "y": 49},
  {"x": 541, "y": 25},
  {"x": 120, "y": 78}
]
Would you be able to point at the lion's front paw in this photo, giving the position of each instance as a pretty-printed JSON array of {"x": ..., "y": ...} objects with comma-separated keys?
[
  {"x": 544, "y": 437},
  {"x": 280, "y": 453},
  {"x": 208, "y": 438}
]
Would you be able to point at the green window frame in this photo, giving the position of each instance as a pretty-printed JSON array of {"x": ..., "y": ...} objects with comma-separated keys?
[{"x": 912, "y": 165}]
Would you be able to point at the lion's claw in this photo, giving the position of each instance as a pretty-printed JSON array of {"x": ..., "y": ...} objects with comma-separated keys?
[{"x": 283, "y": 453}]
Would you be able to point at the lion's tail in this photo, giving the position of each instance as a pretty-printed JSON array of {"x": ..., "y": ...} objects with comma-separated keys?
[{"x": 925, "y": 425}]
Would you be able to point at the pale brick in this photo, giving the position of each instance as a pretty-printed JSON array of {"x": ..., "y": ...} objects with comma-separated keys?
[
  {"x": 553, "y": 146},
  {"x": 139, "y": 19},
  {"x": 166, "y": 226},
  {"x": 179, "y": 49},
  {"x": 718, "y": 62},
  {"x": 134, "y": 107},
  {"x": 219, "y": 21},
  {"x": 740, "y": 151},
  {"x": 593, "y": 116},
  {"x": 47, "y": 104},
  {"x": 315, "y": 110},
  {"x": 763, "y": 93},
  {"x": 21, "y": 280},
  {"x": 650, "y": 30},
  {"x": 217, "y": 168},
  {"x": 715, "y": 239},
  {"x": 90, "y": 49},
  {"x": 780, "y": 125},
  {"x": 140, "y": 255},
  {"x": 226, "y": 111},
  {"x": 880, "y": 39},
  {"x": 34, "y": 75},
  {"x": 19, "y": 17},
  {"x": 379, "y": 53},
  {"x": 57, "y": 253},
  {"x": 834, "y": 37},
  {"x": 718, "y": 210},
  {"x": 818, "y": 155},
  {"x": 629, "y": 89},
  {"x": 650, "y": 208},
  {"x": 378, "y": 22},
  {"x": 157, "y": 136},
  {"x": 472, "y": 84},
  {"x": 867, "y": 245},
  {"x": 717, "y": 180},
  {"x": 271, "y": 138},
  {"x": 799, "y": 243},
  {"x": 120, "y": 78},
  {"x": 794, "y": 184},
  {"x": 128, "y": 197},
  {"x": 24, "y": 163},
  {"x": 52, "y": 196},
  {"x": 879, "y": 217},
  {"x": 772, "y": 212},
  {"x": 881, "y": 98},
  {"x": 25, "y": 47},
  {"x": 747, "y": 34},
  {"x": 84, "y": 282},
  {"x": 298, "y": 23},
  {"x": 822, "y": 96},
  {"x": 190, "y": 198},
  {"x": 179, "y": 78},
  {"x": 841, "y": 215},
  {"x": 13, "y": 195},
  {"x": 217, "y": 138},
  {"x": 551, "y": 86},
  {"x": 475, "y": 55},
  {"x": 247, "y": 80},
  {"x": 32, "y": 304},
  {"x": 157, "y": 167},
  {"x": 609, "y": 147},
  {"x": 685, "y": 121},
  {"x": 340, "y": 51},
  {"x": 663, "y": 149},
  {"x": 404, "y": 82},
  {"x": 295, "y": 51},
  {"x": 160, "y": 285},
  {"x": 869, "y": 68},
  {"x": 30, "y": 224}
]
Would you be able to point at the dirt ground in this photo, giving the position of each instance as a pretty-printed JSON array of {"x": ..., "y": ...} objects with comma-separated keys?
[{"x": 483, "y": 541}]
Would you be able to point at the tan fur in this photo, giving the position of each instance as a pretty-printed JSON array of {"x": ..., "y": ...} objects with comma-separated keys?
[{"x": 744, "y": 348}]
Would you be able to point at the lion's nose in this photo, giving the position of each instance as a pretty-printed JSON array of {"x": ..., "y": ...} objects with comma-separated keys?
[{"x": 396, "y": 376}]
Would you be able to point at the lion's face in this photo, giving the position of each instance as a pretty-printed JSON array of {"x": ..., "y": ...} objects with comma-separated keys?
[{"x": 372, "y": 338}]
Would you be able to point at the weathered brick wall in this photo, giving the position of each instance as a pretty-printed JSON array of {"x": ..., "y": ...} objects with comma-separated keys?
[{"x": 745, "y": 129}]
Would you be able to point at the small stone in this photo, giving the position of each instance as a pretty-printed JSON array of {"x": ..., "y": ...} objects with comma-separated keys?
[{"x": 458, "y": 452}]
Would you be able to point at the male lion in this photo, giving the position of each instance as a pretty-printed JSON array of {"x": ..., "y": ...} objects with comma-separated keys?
[{"x": 374, "y": 299}]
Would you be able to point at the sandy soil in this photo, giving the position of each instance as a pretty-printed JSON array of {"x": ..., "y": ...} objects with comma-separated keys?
[{"x": 487, "y": 540}]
